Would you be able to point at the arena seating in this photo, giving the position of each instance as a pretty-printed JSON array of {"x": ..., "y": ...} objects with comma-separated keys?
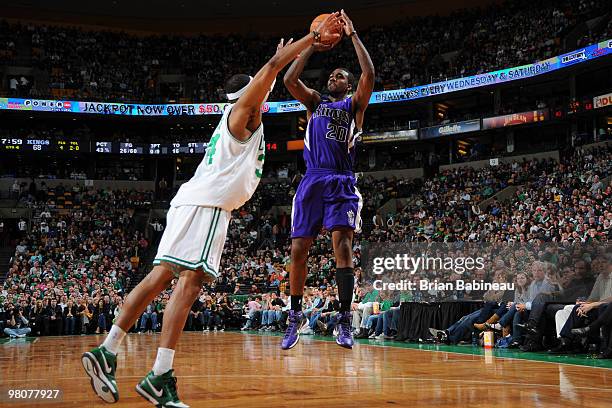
[
  {"x": 121, "y": 67},
  {"x": 85, "y": 246}
]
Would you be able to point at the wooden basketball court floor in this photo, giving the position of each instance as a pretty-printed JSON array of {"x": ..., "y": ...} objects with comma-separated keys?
[{"x": 235, "y": 369}]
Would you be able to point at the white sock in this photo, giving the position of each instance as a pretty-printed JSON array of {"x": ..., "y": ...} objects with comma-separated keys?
[
  {"x": 163, "y": 362},
  {"x": 114, "y": 339}
]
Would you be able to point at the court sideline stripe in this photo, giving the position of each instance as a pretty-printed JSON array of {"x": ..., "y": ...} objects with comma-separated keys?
[{"x": 339, "y": 377}]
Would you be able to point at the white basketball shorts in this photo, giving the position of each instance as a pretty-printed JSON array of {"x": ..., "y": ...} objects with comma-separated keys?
[{"x": 194, "y": 238}]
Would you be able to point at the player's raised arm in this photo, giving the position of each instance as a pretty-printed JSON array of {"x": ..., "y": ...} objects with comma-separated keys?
[
  {"x": 307, "y": 96},
  {"x": 246, "y": 113},
  {"x": 362, "y": 95}
]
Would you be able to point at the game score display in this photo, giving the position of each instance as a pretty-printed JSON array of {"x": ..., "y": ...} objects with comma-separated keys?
[
  {"x": 39, "y": 145},
  {"x": 17, "y": 145},
  {"x": 12, "y": 144},
  {"x": 154, "y": 149}
]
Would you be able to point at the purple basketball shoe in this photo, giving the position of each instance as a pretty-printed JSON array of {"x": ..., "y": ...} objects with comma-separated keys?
[
  {"x": 343, "y": 331},
  {"x": 292, "y": 334}
]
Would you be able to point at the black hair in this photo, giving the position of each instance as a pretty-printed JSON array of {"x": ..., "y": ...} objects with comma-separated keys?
[{"x": 236, "y": 83}]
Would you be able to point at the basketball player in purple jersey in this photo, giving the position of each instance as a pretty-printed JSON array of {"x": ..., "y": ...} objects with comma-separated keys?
[{"x": 327, "y": 196}]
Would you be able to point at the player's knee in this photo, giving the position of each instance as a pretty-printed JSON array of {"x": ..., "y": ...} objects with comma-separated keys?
[
  {"x": 297, "y": 246},
  {"x": 345, "y": 245},
  {"x": 190, "y": 283},
  {"x": 344, "y": 248},
  {"x": 299, "y": 250},
  {"x": 160, "y": 276},
  {"x": 197, "y": 280}
]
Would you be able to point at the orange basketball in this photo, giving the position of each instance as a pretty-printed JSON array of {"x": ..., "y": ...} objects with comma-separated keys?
[{"x": 318, "y": 20}]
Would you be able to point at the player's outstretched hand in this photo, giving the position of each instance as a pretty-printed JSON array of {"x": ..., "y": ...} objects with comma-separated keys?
[
  {"x": 347, "y": 24},
  {"x": 330, "y": 29},
  {"x": 282, "y": 44}
]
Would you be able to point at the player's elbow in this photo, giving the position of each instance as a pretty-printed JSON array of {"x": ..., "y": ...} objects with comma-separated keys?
[
  {"x": 289, "y": 79},
  {"x": 367, "y": 79}
]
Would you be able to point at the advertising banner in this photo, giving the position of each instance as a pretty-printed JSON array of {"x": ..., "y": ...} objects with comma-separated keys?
[
  {"x": 394, "y": 136},
  {"x": 514, "y": 119},
  {"x": 450, "y": 129},
  {"x": 600, "y": 101}
]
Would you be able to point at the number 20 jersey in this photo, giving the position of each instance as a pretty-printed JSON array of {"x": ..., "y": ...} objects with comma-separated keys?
[
  {"x": 229, "y": 173},
  {"x": 330, "y": 138}
]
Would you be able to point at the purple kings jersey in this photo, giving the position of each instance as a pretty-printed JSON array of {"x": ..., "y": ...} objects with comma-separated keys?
[{"x": 330, "y": 138}]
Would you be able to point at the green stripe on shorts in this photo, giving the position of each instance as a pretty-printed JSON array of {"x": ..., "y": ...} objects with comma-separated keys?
[
  {"x": 216, "y": 222},
  {"x": 210, "y": 230}
]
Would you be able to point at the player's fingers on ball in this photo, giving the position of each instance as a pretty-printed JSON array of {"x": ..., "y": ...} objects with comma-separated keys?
[
  {"x": 333, "y": 17},
  {"x": 326, "y": 23}
]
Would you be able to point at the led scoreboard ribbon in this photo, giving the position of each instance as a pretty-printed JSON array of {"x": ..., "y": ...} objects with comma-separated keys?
[
  {"x": 8, "y": 144},
  {"x": 153, "y": 149},
  {"x": 120, "y": 148}
]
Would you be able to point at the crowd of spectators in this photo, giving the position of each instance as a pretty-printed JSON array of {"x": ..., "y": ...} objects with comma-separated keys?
[
  {"x": 561, "y": 202},
  {"x": 595, "y": 35},
  {"x": 105, "y": 65},
  {"x": 445, "y": 207},
  {"x": 8, "y": 37},
  {"x": 559, "y": 289},
  {"x": 74, "y": 262},
  {"x": 86, "y": 257}
]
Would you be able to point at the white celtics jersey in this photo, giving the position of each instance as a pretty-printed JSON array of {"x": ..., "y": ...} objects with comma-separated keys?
[{"x": 229, "y": 173}]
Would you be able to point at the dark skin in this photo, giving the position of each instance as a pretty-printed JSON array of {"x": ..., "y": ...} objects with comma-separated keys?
[
  {"x": 244, "y": 119},
  {"x": 339, "y": 87}
]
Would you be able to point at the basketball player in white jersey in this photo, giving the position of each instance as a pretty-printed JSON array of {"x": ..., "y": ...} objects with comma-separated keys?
[{"x": 191, "y": 246}]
